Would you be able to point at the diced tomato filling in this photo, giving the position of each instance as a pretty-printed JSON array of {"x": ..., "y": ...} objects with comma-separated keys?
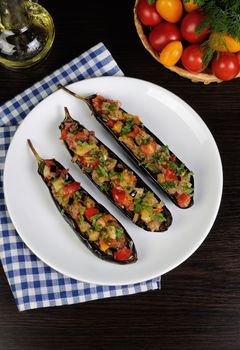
[
  {"x": 89, "y": 162},
  {"x": 118, "y": 194},
  {"x": 170, "y": 175},
  {"x": 71, "y": 187},
  {"x": 89, "y": 212},
  {"x": 123, "y": 254},
  {"x": 110, "y": 123},
  {"x": 183, "y": 200},
  {"x": 148, "y": 149}
]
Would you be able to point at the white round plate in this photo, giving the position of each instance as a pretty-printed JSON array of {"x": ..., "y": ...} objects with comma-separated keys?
[{"x": 38, "y": 221}]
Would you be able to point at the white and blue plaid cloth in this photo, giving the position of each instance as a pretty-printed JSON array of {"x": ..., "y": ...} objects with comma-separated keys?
[{"x": 33, "y": 283}]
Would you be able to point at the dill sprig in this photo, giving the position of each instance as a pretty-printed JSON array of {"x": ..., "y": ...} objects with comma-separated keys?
[{"x": 222, "y": 16}]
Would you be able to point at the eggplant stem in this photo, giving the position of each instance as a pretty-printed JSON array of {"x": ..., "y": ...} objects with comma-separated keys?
[
  {"x": 39, "y": 159},
  {"x": 67, "y": 115},
  {"x": 84, "y": 99}
]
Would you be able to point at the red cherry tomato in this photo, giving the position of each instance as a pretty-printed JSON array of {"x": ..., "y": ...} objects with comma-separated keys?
[
  {"x": 238, "y": 57},
  {"x": 225, "y": 66},
  {"x": 148, "y": 14},
  {"x": 122, "y": 254},
  {"x": 189, "y": 26},
  {"x": 89, "y": 212},
  {"x": 183, "y": 200},
  {"x": 192, "y": 58},
  {"x": 72, "y": 187},
  {"x": 119, "y": 195},
  {"x": 163, "y": 34}
]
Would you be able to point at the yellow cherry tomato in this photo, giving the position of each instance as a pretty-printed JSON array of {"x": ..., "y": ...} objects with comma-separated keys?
[
  {"x": 171, "y": 53},
  {"x": 224, "y": 43},
  {"x": 170, "y": 10},
  {"x": 190, "y": 6}
]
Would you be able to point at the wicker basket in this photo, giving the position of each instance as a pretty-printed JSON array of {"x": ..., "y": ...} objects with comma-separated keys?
[{"x": 194, "y": 77}]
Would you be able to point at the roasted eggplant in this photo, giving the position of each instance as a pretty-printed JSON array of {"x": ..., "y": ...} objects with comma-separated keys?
[
  {"x": 100, "y": 231},
  {"x": 122, "y": 186},
  {"x": 144, "y": 148}
]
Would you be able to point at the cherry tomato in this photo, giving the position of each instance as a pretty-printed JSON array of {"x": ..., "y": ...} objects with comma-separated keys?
[
  {"x": 71, "y": 188},
  {"x": 183, "y": 200},
  {"x": 192, "y": 58},
  {"x": 225, "y": 66},
  {"x": 122, "y": 254},
  {"x": 171, "y": 53},
  {"x": 189, "y": 26},
  {"x": 89, "y": 212},
  {"x": 170, "y": 10},
  {"x": 163, "y": 34},
  {"x": 224, "y": 43},
  {"x": 119, "y": 195},
  {"x": 190, "y": 6},
  {"x": 148, "y": 14},
  {"x": 238, "y": 57}
]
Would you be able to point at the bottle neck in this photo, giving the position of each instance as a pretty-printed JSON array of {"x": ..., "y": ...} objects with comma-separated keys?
[{"x": 13, "y": 15}]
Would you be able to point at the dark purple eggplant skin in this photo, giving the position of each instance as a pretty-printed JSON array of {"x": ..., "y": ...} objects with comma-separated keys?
[
  {"x": 132, "y": 156},
  {"x": 89, "y": 244},
  {"x": 164, "y": 226}
]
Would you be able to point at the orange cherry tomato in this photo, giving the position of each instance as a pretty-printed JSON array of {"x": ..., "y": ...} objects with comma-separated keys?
[
  {"x": 224, "y": 43},
  {"x": 171, "y": 53},
  {"x": 190, "y": 6},
  {"x": 170, "y": 10}
]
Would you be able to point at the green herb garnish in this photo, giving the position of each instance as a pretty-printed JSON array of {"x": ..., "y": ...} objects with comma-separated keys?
[
  {"x": 95, "y": 217},
  {"x": 119, "y": 233},
  {"x": 102, "y": 171}
]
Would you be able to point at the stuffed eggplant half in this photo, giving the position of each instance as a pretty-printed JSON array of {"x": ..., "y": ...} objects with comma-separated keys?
[
  {"x": 113, "y": 177},
  {"x": 100, "y": 231},
  {"x": 144, "y": 148}
]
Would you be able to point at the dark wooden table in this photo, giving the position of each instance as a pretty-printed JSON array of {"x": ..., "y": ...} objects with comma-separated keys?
[{"x": 199, "y": 304}]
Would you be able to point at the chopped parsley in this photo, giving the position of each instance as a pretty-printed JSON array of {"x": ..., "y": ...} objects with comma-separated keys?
[
  {"x": 126, "y": 129},
  {"x": 105, "y": 187},
  {"x": 165, "y": 149},
  {"x": 119, "y": 233},
  {"x": 102, "y": 171},
  {"x": 168, "y": 185},
  {"x": 159, "y": 217},
  {"x": 95, "y": 217}
]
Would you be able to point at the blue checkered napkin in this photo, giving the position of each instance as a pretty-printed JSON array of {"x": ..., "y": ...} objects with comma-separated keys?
[{"x": 33, "y": 283}]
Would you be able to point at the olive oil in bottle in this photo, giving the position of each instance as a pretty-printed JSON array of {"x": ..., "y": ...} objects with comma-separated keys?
[{"x": 26, "y": 33}]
